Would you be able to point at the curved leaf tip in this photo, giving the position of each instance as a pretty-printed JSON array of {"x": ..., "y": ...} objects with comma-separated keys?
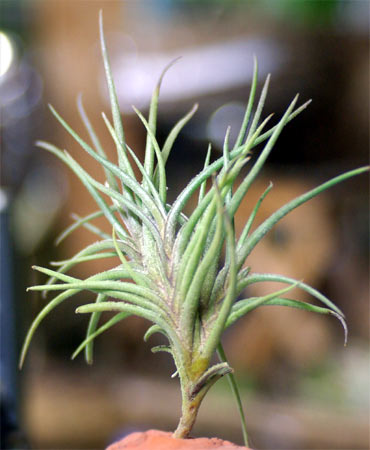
[{"x": 344, "y": 325}]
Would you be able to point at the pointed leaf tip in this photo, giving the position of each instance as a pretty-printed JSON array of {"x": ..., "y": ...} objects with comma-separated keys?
[
  {"x": 344, "y": 325},
  {"x": 165, "y": 70}
]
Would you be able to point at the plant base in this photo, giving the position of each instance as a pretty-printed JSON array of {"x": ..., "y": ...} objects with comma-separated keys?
[{"x": 161, "y": 440}]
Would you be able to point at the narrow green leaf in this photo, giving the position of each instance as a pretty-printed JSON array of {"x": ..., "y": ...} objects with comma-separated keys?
[
  {"x": 204, "y": 209},
  {"x": 243, "y": 307},
  {"x": 193, "y": 289},
  {"x": 248, "y": 110},
  {"x": 112, "y": 275},
  {"x": 152, "y": 124},
  {"x": 277, "y": 301},
  {"x": 311, "y": 308},
  {"x": 152, "y": 330},
  {"x": 91, "y": 250},
  {"x": 252, "y": 174},
  {"x": 153, "y": 190},
  {"x": 203, "y": 186},
  {"x": 121, "y": 287},
  {"x": 99, "y": 200},
  {"x": 260, "y": 105},
  {"x": 266, "y": 226},
  {"x": 136, "y": 277},
  {"x": 84, "y": 259},
  {"x": 129, "y": 171},
  {"x": 195, "y": 249},
  {"x": 198, "y": 180},
  {"x": 162, "y": 184},
  {"x": 90, "y": 183},
  {"x": 235, "y": 390},
  {"x": 91, "y": 328},
  {"x": 207, "y": 172},
  {"x": 116, "y": 114},
  {"x": 132, "y": 309},
  {"x": 95, "y": 140},
  {"x": 109, "y": 324},
  {"x": 209, "y": 378},
  {"x": 119, "y": 306},
  {"x": 39, "y": 318},
  {"x": 80, "y": 221},
  {"x": 53, "y": 273},
  {"x": 165, "y": 324},
  {"x": 217, "y": 327},
  {"x": 263, "y": 277},
  {"x": 168, "y": 144},
  {"x": 128, "y": 179},
  {"x": 197, "y": 233},
  {"x": 161, "y": 348},
  {"x": 226, "y": 150},
  {"x": 184, "y": 196},
  {"x": 294, "y": 114},
  {"x": 251, "y": 218},
  {"x": 94, "y": 229}
]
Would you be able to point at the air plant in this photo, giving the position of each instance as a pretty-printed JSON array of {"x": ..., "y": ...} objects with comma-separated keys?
[{"x": 185, "y": 274}]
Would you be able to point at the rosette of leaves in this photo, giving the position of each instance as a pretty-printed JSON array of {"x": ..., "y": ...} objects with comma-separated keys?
[{"x": 185, "y": 275}]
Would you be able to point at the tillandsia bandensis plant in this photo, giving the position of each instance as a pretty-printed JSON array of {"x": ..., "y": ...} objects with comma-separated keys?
[{"x": 185, "y": 275}]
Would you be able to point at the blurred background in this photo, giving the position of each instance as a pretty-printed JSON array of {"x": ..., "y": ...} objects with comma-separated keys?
[{"x": 301, "y": 388}]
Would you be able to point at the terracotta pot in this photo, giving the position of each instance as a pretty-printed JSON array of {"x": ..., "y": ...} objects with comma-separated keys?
[{"x": 161, "y": 440}]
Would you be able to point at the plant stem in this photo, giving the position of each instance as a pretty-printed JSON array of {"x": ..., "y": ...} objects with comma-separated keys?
[
  {"x": 190, "y": 410},
  {"x": 192, "y": 394}
]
